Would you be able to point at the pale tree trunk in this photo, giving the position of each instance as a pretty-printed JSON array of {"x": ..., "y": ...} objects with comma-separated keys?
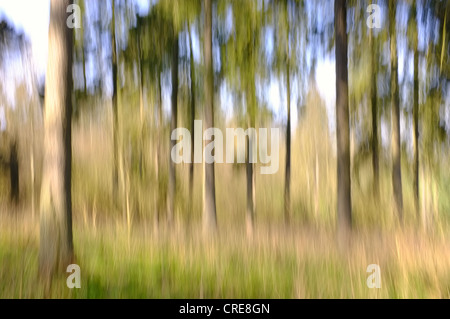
[
  {"x": 173, "y": 125},
  {"x": 56, "y": 246},
  {"x": 395, "y": 116},
  {"x": 142, "y": 115},
  {"x": 158, "y": 158},
  {"x": 143, "y": 125},
  {"x": 209, "y": 188},
  {"x": 344, "y": 207},
  {"x": 118, "y": 160}
]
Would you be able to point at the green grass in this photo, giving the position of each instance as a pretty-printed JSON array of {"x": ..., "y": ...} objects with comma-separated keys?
[
  {"x": 275, "y": 263},
  {"x": 302, "y": 261}
]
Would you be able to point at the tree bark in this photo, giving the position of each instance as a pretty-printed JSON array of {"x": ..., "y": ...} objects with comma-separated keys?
[
  {"x": 395, "y": 116},
  {"x": 209, "y": 195},
  {"x": 344, "y": 207},
  {"x": 192, "y": 107},
  {"x": 374, "y": 97},
  {"x": 173, "y": 125},
  {"x": 115, "y": 126},
  {"x": 416, "y": 118},
  {"x": 161, "y": 198},
  {"x": 287, "y": 179},
  {"x": 141, "y": 100},
  {"x": 56, "y": 246}
]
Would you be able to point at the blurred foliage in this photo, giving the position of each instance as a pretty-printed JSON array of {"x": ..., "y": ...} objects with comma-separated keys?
[{"x": 255, "y": 43}]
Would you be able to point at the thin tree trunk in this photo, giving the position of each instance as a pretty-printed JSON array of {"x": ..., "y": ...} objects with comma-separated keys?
[
  {"x": 173, "y": 125},
  {"x": 209, "y": 197},
  {"x": 192, "y": 107},
  {"x": 84, "y": 71},
  {"x": 416, "y": 119},
  {"x": 287, "y": 179},
  {"x": 250, "y": 167},
  {"x": 141, "y": 100},
  {"x": 287, "y": 189},
  {"x": 56, "y": 246},
  {"x": 344, "y": 207},
  {"x": 160, "y": 199},
  {"x": 115, "y": 126},
  {"x": 395, "y": 116},
  {"x": 250, "y": 213},
  {"x": 374, "y": 97}
]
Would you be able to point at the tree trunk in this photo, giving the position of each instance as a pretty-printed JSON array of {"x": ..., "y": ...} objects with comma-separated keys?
[
  {"x": 344, "y": 207},
  {"x": 173, "y": 125},
  {"x": 141, "y": 101},
  {"x": 192, "y": 107},
  {"x": 209, "y": 195},
  {"x": 374, "y": 97},
  {"x": 56, "y": 246},
  {"x": 287, "y": 179},
  {"x": 416, "y": 118},
  {"x": 115, "y": 126},
  {"x": 395, "y": 116},
  {"x": 161, "y": 198},
  {"x": 250, "y": 212}
]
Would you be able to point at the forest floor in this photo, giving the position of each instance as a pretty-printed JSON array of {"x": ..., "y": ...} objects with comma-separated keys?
[{"x": 276, "y": 262}]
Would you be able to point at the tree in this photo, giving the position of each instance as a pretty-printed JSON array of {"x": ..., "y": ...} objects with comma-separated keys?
[
  {"x": 415, "y": 42},
  {"x": 115, "y": 128},
  {"x": 173, "y": 125},
  {"x": 241, "y": 64},
  {"x": 209, "y": 188},
  {"x": 395, "y": 115},
  {"x": 374, "y": 98},
  {"x": 56, "y": 246},
  {"x": 433, "y": 128},
  {"x": 344, "y": 208},
  {"x": 287, "y": 177},
  {"x": 192, "y": 119}
]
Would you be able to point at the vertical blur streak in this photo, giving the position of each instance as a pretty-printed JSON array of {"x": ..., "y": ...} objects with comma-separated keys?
[
  {"x": 173, "y": 125},
  {"x": 374, "y": 93},
  {"x": 416, "y": 114},
  {"x": 209, "y": 188},
  {"x": 115, "y": 173},
  {"x": 56, "y": 247},
  {"x": 395, "y": 115},
  {"x": 192, "y": 106},
  {"x": 287, "y": 189},
  {"x": 344, "y": 209}
]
